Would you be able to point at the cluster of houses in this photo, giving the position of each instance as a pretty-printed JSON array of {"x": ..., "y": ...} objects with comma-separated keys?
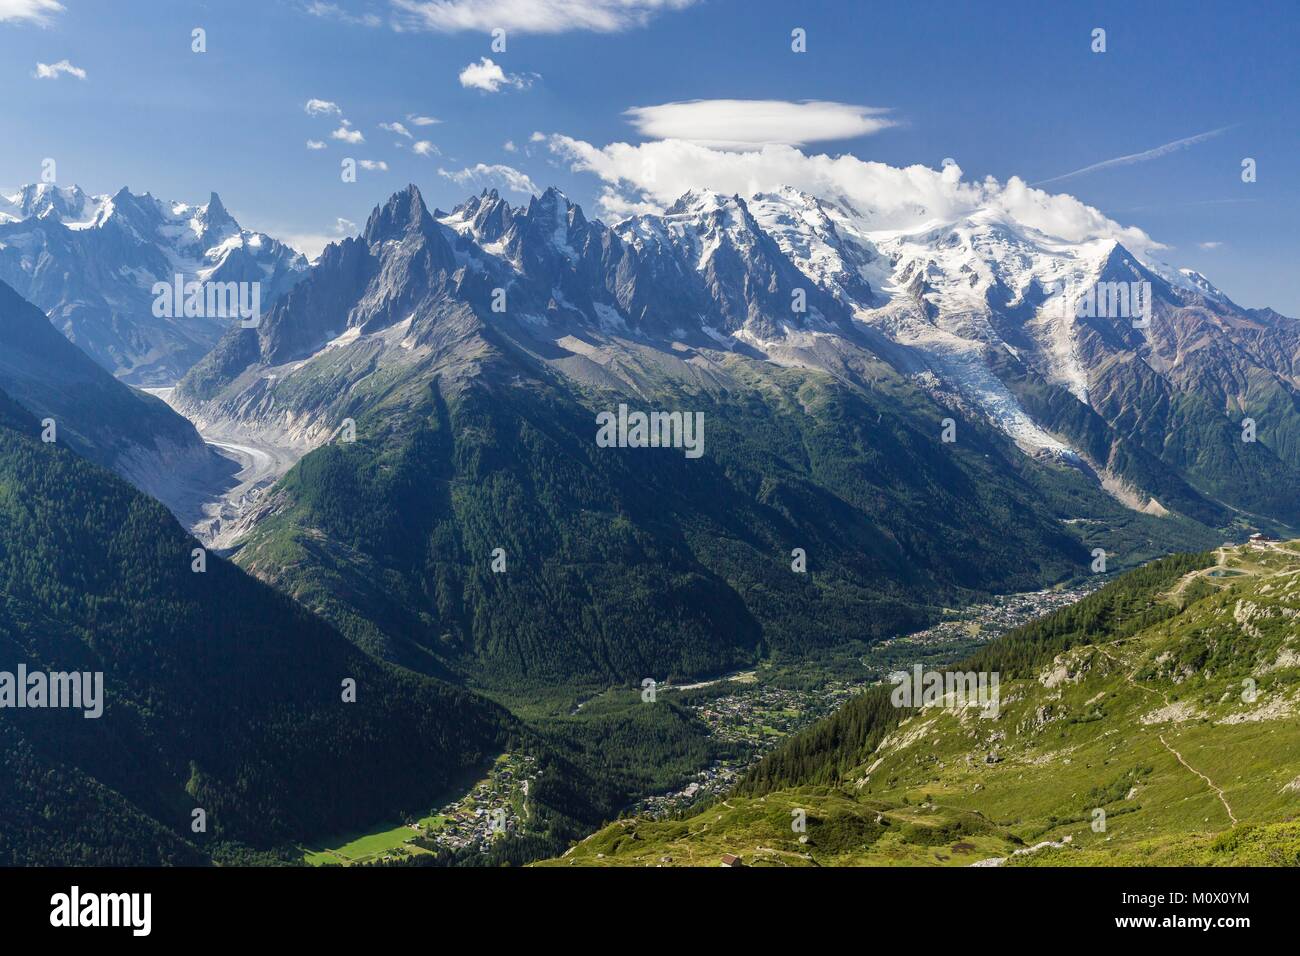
[
  {"x": 988, "y": 620},
  {"x": 757, "y": 716},
  {"x": 489, "y": 812}
]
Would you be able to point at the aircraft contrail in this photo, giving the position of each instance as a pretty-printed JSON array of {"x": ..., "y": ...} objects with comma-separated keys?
[{"x": 1142, "y": 157}]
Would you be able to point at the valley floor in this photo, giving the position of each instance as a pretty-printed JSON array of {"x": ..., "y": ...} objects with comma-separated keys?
[
  {"x": 214, "y": 511},
  {"x": 1174, "y": 745},
  {"x": 758, "y": 714},
  {"x": 742, "y": 715},
  {"x": 494, "y": 808}
]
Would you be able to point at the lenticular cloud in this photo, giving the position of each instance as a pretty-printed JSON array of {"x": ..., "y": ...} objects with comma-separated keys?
[{"x": 745, "y": 124}]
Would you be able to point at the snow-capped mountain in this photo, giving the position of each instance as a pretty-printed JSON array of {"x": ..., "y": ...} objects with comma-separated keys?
[
  {"x": 91, "y": 262},
  {"x": 989, "y": 315},
  {"x": 1011, "y": 320},
  {"x": 442, "y": 373}
]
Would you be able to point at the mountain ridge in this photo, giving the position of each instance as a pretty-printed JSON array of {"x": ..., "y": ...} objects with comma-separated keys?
[
  {"x": 91, "y": 262},
  {"x": 475, "y": 410},
  {"x": 219, "y": 693},
  {"x": 106, "y": 421},
  {"x": 801, "y": 284}
]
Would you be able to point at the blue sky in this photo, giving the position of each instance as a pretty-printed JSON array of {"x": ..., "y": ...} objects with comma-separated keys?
[{"x": 1003, "y": 88}]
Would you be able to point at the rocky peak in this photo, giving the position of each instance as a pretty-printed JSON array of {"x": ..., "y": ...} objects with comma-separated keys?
[
  {"x": 403, "y": 214},
  {"x": 215, "y": 213},
  {"x": 46, "y": 200}
]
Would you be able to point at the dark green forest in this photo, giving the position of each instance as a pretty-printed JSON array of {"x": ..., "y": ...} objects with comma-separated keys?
[
  {"x": 220, "y": 692},
  {"x": 629, "y": 563},
  {"x": 223, "y": 694}
]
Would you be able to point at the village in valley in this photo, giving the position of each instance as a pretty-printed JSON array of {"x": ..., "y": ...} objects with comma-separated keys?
[
  {"x": 746, "y": 713},
  {"x": 980, "y": 623},
  {"x": 495, "y": 808},
  {"x": 757, "y": 715}
]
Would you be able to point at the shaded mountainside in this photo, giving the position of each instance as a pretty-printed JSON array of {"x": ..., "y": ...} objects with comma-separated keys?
[
  {"x": 105, "y": 421},
  {"x": 627, "y": 563},
  {"x": 219, "y": 692},
  {"x": 1153, "y": 722},
  {"x": 476, "y": 431}
]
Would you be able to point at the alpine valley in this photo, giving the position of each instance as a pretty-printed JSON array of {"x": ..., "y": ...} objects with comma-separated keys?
[
  {"x": 474, "y": 349},
  {"x": 897, "y": 425}
]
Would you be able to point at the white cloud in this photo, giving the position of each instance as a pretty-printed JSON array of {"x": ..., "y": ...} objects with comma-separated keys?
[
  {"x": 531, "y": 16},
  {"x": 1142, "y": 157},
  {"x": 52, "y": 71},
  {"x": 746, "y": 124},
  {"x": 425, "y": 148},
  {"x": 483, "y": 175},
  {"x": 346, "y": 133},
  {"x": 418, "y": 120},
  {"x": 488, "y": 76},
  {"x": 332, "y": 11},
  {"x": 650, "y": 176},
  {"x": 397, "y": 128},
  {"x": 378, "y": 164},
  {"x": 311, "y": 244},
  {"x": 1207, "y": 246},
  {"x": 509, "y": 146},
  {"x": 315, "y": 144},
  {"x": 31, "y": 11},
  {"x": 317, "y": 107}
]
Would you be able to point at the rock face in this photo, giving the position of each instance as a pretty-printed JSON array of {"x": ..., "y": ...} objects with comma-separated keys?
[
  {"x": 1013, "y": 327},
  {"x": 469, "y": 352},
  {"x": 90, "y": 262}
]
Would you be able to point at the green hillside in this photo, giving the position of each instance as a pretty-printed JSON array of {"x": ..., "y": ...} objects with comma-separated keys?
[
  {"x": 1154, "y": 722},
  {"x": 219, "y": 692},
  {"x": 622, "y": 564}
]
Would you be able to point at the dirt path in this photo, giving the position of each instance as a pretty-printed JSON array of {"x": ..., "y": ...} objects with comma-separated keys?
[
  {"x": 1128, "y": 676},
  {"x": 1221, "y": 558},
  {"x": 1221, "y": 561},
  {"x": 1208, "y": 782}
]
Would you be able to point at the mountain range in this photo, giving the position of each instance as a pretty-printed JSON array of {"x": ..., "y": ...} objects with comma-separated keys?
[
  {"x": 895, "y": 423},
  {"x": 472, "y": 349},
  {"x": 981, "y": 313},
  {"x": 91, "y": 263}
]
